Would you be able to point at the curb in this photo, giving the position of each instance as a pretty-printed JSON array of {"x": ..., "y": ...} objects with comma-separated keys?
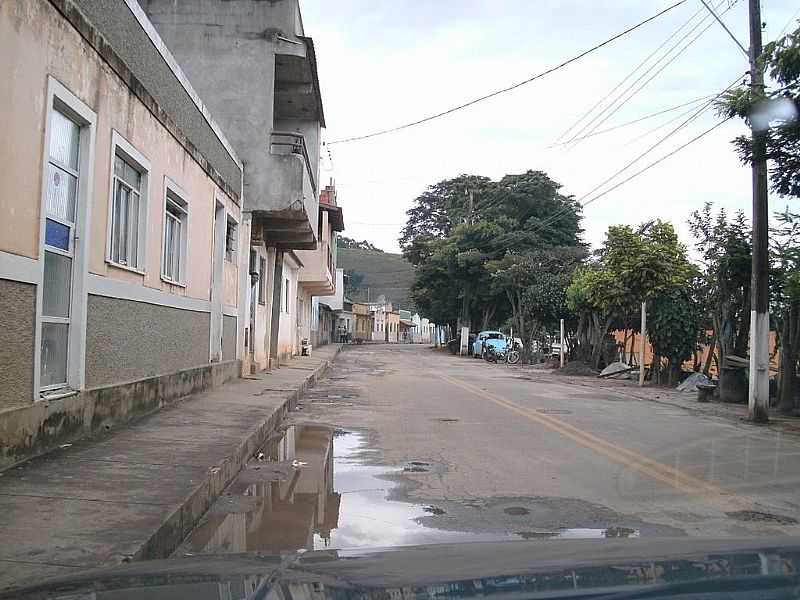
[{"x": 172, "y": 531}]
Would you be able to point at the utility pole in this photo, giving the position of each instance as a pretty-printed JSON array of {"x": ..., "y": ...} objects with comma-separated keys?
[
  {"x": 561, "y": 345},
  {"x": 758, "y": 399},
  {"x": 642, "y": 340}
]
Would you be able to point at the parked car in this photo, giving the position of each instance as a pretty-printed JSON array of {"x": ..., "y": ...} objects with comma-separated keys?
[{"x": 488, "y": 338}]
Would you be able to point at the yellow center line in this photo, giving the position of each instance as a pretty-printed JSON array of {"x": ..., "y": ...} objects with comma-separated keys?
[{"x": 633, "y": 460}]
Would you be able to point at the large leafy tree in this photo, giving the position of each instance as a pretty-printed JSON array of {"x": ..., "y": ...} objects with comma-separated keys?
[
  {"x": 535, "y": 285},
  {"x": 437, "y": 211},
  {"x": 465, "y": 225},
  {"x": 634, "y": 265},
  {"x": 777, "y": 112}
]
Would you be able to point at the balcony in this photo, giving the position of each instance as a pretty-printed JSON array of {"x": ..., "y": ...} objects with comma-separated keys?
[
  {"x": 285, "y": 144},
  {"x": 317, "y": 276},
  {"x": 287, "y": 217}
]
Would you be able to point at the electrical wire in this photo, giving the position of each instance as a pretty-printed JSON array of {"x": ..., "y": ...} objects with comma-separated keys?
[
  {"x": 628, "y": 76},
  {"x": 683, "y": 124},
  {"x": 511, "y": 87},
  {"x": 561, "y": 213},
  {"x": 651, "y": 131},
  {"x": 710, "y": 99},
  {"x": 788, "y": 24},
  {"x": 639, "y": 120},
  {"x": 581, "y": 200},
  {"x": 594, "y": 124},
  {"x": 656, "y": 162}
]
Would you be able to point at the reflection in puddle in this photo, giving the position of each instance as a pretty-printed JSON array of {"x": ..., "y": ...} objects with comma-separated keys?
[{"x": 311, "y": 490}]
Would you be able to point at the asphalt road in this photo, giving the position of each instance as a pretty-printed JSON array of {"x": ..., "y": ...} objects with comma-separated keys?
[{"x": 486, "y": 451}]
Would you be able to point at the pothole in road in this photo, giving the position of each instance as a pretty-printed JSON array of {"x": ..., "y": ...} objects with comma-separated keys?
[
  {"x": 417, "y": 466},
  {"x": 434, "y": 510},
  {"x": 516, "y": 511},
  {"x": 583, "y": 533},
  {"x": 446, "y": 420},
  {"x": 758, "y": 516},
  {"x": 316, "y": 487}
]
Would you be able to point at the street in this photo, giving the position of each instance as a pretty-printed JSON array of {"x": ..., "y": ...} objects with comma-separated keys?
[
  {"x": 485, "y": 451},
  {"x": 428, "y": 448}
]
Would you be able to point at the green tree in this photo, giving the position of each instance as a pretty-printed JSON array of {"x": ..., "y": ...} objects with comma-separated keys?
[
  {"x": 343, "y": 241},
  {"x": 587, "y": 296},
  {"x": 776, "y": 111},
  {"x": 785, "y": 301},
  {"x": 725, "y": 251},
  {"x": 465, "y": 225},
  {"x": 633, "y": 266},
  {"x": 673, "y": 323},
  {"x": 432, "y": 292},
  {"x": 436, "y": 212}
]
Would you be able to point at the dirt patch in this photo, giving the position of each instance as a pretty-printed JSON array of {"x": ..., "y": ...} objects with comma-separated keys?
[
  {"x": 758, "y": 516},
  {"x": 577, "y": 368}
]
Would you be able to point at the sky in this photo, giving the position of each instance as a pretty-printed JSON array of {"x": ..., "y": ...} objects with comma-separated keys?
[{"x": 384, "y": 63}]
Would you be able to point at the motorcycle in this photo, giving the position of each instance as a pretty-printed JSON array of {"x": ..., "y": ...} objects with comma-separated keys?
[{"x": 509, "y": 355}]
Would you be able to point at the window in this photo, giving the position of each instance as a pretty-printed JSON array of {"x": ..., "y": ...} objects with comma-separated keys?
[
  {"x": 176, "y": 221},
  {"x": 127, "y": 214},
  {"x": 262, "y": 280},
  {"x": 231, "y": 235}
]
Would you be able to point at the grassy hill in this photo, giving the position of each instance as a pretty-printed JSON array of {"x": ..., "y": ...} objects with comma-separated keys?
[{"x": 385, "y": 274}]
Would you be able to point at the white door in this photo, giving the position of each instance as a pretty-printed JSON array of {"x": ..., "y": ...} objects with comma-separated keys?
[{"x": 61, "y": 193}]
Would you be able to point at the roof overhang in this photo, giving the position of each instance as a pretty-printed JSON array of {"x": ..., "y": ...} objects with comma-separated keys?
[{"x": 335, "y": 217}]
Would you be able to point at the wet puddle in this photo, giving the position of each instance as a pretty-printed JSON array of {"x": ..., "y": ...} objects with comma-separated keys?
[{"x": 311, "y": 489}]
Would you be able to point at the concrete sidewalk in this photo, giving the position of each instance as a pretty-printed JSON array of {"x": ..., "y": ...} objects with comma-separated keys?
[{"x": 136, "y": 493}]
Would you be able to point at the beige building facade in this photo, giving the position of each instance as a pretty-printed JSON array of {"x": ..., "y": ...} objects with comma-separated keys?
[{"x": 121, "y": 229}]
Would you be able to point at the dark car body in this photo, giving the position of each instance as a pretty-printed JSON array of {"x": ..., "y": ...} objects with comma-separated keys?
[{"x": 630, "y": 568}]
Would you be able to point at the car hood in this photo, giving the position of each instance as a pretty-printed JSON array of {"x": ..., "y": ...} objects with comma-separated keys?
[{"x": 529, "y": 569}]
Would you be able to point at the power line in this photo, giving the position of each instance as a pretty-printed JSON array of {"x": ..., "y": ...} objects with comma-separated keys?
[
  {"x": 511, "y": 87},
  {"x": 725, "y": 27},
  {"x": 710, "y": 99},
  {"x": 566, "y": 210},
  {"x": 660, "y": 160},
  {"x": 594, "y": 124},
  {"x": 788, "y": 23},
  {"x": 686, "y": 122},
  {"x": 561, "y": 213},
  {"x": 639, "y": 120},
  {"x": 628, "y": 76},
  {"x": 658, "y": 127}
]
